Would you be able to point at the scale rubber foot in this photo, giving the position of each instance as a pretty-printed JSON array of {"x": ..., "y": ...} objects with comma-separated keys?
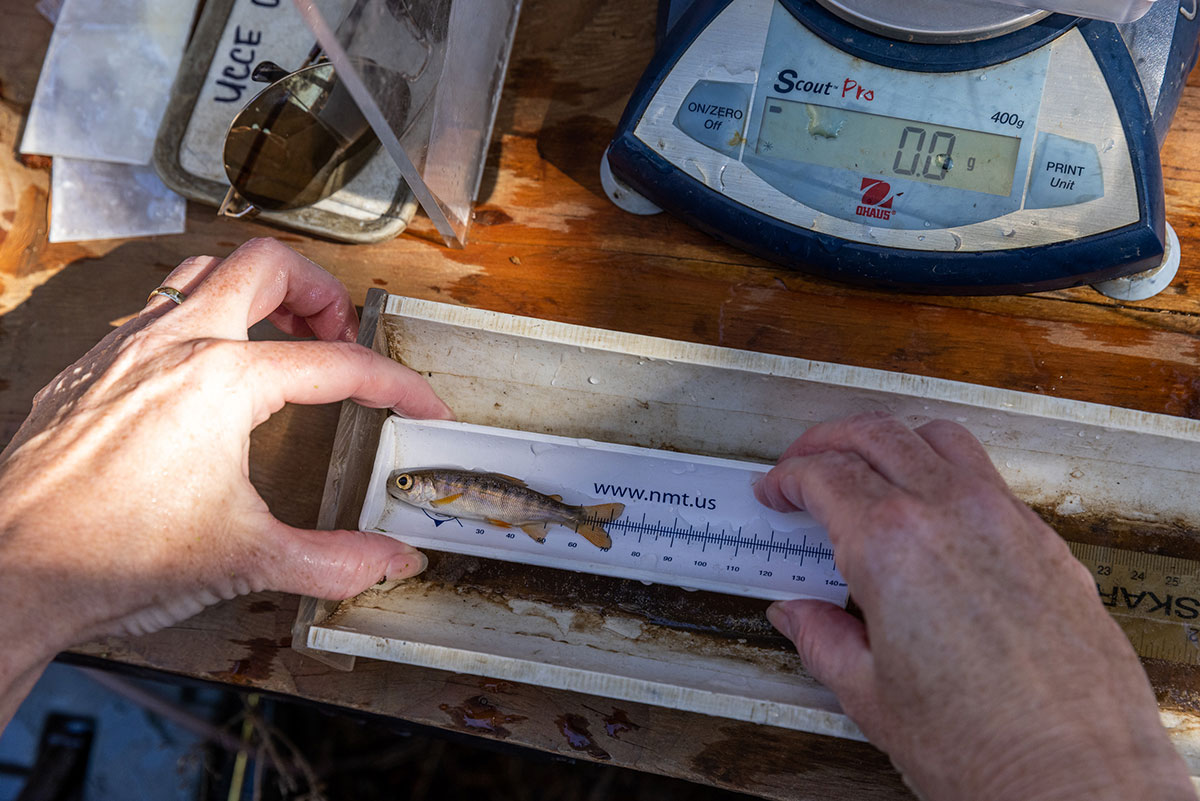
[
  {"x": 622, "y": 196},
  {"x": 1142, "y": 286}
]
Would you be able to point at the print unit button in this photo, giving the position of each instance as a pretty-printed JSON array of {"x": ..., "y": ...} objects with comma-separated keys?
[
  {"x": 1065, "y": 172},
  {"x": 714, "y": 114}
]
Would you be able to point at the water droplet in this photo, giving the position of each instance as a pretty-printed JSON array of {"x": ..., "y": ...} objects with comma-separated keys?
[
  {"x": 983, "y": 77},
  {"x": 1076, "y": 474},
  {"x": 593, "y": 380},
  {"x": 1109, "y": 144},
  {"x": 1010, "y": 233},
  {"x": 921, "y": 238},
  {"x": 928, "y": 224},
  {"x": 1008, "y": 465},
  {"x": 958, "y": 241},
  {"x": 1081, "y": 434}
]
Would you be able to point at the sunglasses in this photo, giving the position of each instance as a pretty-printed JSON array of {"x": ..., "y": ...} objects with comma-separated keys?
[{"x": 297, "y": 142}]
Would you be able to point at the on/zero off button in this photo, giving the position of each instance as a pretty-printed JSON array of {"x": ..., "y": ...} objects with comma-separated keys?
[
  {"x": 714, "y": 114},
  {"x": 1066, "y": 172}
]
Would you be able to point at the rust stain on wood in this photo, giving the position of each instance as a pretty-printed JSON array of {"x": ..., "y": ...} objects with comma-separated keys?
[
  {"x": 575, "y": 729},
  {"x": 35, "y": 162},
  {"x": 258, "y": 665},
  {"x": 618, "y": 723},
  {"x": 479, "y": 715}
]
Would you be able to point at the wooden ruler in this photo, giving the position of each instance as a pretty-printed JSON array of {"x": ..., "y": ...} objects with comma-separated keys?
[{"x": 1155, "y": 599}]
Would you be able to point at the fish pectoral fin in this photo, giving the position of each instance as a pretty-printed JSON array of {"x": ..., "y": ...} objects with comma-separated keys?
[
  {"x": 447, "y": 500},
  {"x": 535, "y": 530},
  {"x": 516, "y": 481},
  {"x": 498, "y": 523},
  {"x": 556, "y": 498}
]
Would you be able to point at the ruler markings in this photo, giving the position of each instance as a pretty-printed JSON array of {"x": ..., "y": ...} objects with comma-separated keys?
[
  {"x": 720, "y": 538},
  {"x": 1155, "y": 599}
]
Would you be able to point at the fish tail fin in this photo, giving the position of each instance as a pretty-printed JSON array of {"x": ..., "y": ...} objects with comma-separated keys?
[{"x": 591, "y": 523}]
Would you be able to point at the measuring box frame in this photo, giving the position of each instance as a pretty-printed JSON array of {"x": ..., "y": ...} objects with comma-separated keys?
[
  {"x": 1022, "y": 162},
  {"x": 699, "y": 651}
]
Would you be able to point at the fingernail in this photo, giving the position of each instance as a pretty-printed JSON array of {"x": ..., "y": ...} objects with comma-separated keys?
[
  {"x": 780, "y": 620},
  {"x": 406, "y": 565}
]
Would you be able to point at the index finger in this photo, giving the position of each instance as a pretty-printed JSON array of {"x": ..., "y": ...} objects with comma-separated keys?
[
  {"x": 327, "y": 372},
  {"x": 263, "y": 277},
  {"x": 893, "y": 449}
]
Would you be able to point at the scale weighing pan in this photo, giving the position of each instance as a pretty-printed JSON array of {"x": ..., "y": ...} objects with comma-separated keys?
[{"x": 931, "y": 147}]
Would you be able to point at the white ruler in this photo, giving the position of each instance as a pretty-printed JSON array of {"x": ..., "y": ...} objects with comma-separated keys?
[{"x": 690, "y": 521}]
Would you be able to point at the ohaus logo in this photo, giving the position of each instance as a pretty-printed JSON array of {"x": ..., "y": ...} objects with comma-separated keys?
[{"x": 877, "y": 199}]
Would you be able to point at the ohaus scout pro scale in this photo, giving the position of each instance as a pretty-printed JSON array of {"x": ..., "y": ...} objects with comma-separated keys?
[{"x": 922, "y": 146}]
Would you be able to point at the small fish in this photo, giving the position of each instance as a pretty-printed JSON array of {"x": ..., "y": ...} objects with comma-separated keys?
[{"x": 501, "y": 500}]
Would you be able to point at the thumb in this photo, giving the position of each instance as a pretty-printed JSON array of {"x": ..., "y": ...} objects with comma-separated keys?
[
  {"x": 832, "y": 644},
  {"x": 338, "y": 564}
]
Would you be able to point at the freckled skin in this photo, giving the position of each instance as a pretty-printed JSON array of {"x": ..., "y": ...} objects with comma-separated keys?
[
  {"x": 987, "y": 667},
  {"x": 125, "y": 499}
]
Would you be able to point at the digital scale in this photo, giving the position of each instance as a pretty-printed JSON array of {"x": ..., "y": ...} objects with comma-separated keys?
[{"x": 934, "y": 146}]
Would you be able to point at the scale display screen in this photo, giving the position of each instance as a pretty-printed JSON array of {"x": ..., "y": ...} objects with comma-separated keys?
[{"x": 879, "y": 145}]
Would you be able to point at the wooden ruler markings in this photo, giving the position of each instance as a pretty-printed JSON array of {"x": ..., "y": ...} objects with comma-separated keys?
[{"x": 1155, "y": 599}]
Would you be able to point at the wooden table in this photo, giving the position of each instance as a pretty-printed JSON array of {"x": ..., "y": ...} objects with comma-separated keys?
[{"x": 547, "y": 243}]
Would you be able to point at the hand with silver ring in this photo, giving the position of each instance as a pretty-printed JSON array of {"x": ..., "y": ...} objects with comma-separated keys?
[
  {"x": 125, "y": 500},
  {"x": 170, "y": 293}
]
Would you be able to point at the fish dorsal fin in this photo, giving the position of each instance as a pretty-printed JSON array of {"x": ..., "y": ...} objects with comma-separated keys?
[
  {"x": 516, "y": 481},
  {"x": 556, "y": 498}
]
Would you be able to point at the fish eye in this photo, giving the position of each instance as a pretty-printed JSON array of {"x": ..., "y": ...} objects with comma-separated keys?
[{"x": 404, "y": 482}]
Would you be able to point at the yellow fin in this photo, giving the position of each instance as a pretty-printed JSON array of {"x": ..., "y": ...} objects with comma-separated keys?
[
  {"x": 498, "y": 523},
  {"x": 594, "y": 532},
  {"x": 446, "y": 500},
  {"x": 556, "y": 498},
  {"x": 535, "y": 530}
]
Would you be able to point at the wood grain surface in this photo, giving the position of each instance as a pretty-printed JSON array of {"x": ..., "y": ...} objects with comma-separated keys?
[{"x": 547, "y": 243}]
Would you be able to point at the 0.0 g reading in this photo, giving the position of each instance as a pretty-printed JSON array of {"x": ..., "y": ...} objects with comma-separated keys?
[{"x": 879, "y": 145}]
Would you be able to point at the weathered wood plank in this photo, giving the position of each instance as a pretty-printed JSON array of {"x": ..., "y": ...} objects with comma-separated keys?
[{"x": 245, "y": 643}]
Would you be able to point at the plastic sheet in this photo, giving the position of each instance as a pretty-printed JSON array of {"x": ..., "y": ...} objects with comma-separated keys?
[
  {"x": 105, "y": 200},
  {"x": 106, "y": 79},
  {"x": 451, "y": 56}
]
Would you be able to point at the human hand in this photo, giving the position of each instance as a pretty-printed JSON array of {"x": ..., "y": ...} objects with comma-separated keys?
[
  {"x": 125, "y": 498},
  {"x": 987, "y": 668}
]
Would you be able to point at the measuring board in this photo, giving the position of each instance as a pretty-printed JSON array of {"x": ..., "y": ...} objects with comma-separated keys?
[
  {"x": 1155, "y": 599},
  {"x": 692, "y": 521},
  {"x": 689, "y": 521}
]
